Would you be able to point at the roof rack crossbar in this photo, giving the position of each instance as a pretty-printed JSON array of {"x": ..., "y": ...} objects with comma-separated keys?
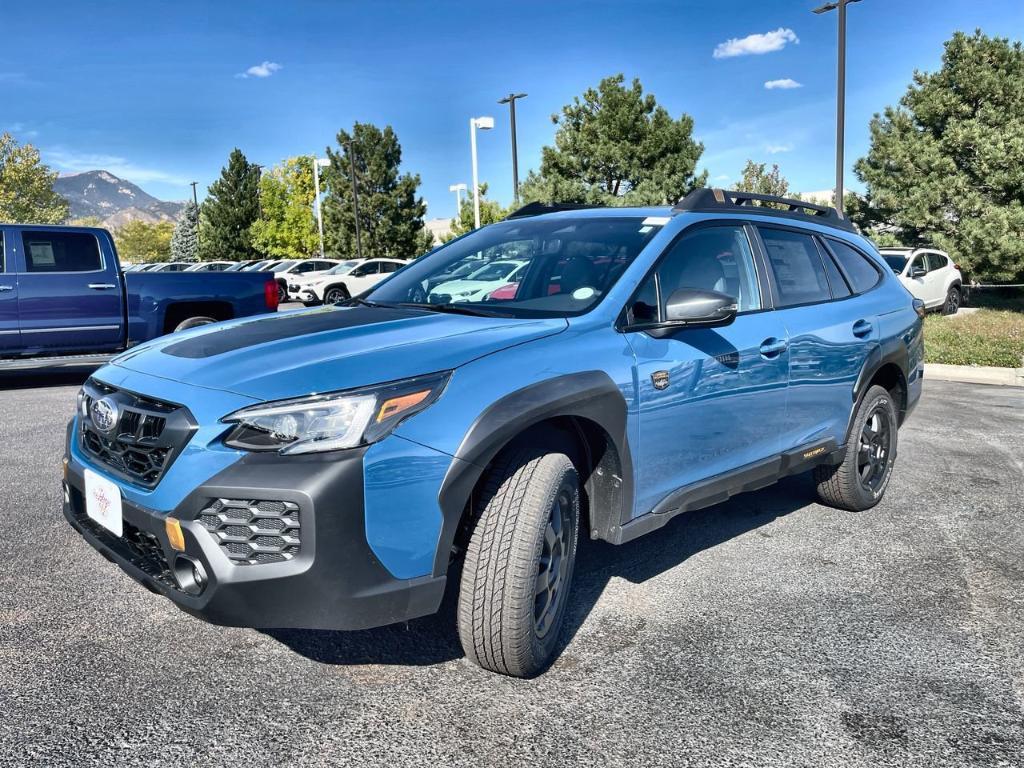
[{"x": 718, "y": 200}]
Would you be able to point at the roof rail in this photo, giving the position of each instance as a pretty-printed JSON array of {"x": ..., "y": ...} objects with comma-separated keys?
[
  {"x": 536, "y": 209},
  {"x": 719, "y": 201}
]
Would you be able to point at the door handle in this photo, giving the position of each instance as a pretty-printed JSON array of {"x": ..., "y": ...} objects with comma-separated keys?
[
  {"x": 6, "y": 288},
  {"x": 102, "y": 286},
  {"x": 773, "y": 347},
  {"x": 862, "y": 328}
]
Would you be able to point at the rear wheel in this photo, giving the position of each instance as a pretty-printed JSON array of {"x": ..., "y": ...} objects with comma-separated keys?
[
  {"x": 953, "y": 300},
  {"x": 336, "y": 293},
  {"x": 519, "y": 562},
  {"x": 193, "y": 322},
  {"x": 282, "y": 293},
  {"x": 859, "y": 482}
]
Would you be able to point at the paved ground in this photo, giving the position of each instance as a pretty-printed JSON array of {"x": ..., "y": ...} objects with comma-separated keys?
[{"x": 767, "y": 631}]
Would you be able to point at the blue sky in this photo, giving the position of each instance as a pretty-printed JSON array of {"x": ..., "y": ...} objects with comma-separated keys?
[{"x": 153, "y": 91}]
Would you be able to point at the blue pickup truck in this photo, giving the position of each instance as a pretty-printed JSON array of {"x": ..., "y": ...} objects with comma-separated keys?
[{"x": 64, "y": 298}]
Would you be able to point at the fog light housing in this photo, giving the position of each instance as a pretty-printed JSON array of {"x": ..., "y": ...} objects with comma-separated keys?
[{"x": 190, "y": 575}]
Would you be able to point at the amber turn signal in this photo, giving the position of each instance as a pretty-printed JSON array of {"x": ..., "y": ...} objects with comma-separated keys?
[
  {"x": 174, "y": 534},
  {"x": 396, "y": 405}
]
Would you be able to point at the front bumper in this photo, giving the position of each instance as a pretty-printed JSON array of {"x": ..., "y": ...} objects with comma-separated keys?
[{"x": 334, "y": 581}]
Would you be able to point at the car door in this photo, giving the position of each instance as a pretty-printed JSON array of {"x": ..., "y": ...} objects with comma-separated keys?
[
  {"x": 363, "y": 277},
  {"x": 831, "y": 329},
  {"x": 710, "y": 400},
  {"x": 914, "y": 279},
  {"x": 935, "y": 280},
  {"x": 10, "y": 336},
  {"x": 69, "y": 291}
]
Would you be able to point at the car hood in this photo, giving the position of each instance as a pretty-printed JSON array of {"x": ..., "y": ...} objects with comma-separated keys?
[{"x": 272, "y": 357}]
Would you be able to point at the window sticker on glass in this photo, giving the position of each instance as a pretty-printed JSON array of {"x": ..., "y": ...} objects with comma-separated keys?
[
  {"x": 41, "y": 254},
  {"x": 655, "y": 221}
]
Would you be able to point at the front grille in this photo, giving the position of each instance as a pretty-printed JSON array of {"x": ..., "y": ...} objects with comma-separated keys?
[
  {"x": 253, "y": 532},
  {"x": 144, "y": 439}
]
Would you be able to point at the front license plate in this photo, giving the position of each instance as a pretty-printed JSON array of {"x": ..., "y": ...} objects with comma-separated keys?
[{"x": 103, "y": 502}]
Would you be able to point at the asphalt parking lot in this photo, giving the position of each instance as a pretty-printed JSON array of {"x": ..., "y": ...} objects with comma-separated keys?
[{"x": 765, "y": 631}]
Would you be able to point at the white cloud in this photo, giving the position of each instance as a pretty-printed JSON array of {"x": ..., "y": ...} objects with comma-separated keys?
[
  {"x": 785, "y": 84},
  {"x": 756, "y": 44},
  {"x": 70, "y": 162},
  {"x": 774, "y": 149},
  {"x": 266, "y": 69},
  {"x": 722, "y": 177}
]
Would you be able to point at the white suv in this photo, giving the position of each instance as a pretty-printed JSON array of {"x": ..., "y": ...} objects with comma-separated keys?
[
  {"x": 332, "y": 288},
  {"x": 929, "y": 275}
]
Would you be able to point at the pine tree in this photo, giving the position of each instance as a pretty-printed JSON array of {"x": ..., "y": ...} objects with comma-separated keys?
[
  {"x": 185, "y": 240},
  {"x": 390, "y": 213},
  {"x": 229, "y": 210}
]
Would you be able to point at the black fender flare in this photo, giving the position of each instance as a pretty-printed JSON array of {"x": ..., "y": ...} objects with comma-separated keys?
[
  {"x": 590, "y": 395},
  {"x": 893, "y": 351}
]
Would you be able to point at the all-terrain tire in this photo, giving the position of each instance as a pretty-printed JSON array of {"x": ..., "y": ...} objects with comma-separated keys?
[
  {"x": 519, "y": 562},
  {"x": 336, "y": 293},
  {"x": 859, "y": 482}
]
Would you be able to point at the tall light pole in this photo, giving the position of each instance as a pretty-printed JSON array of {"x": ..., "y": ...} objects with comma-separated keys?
[
  {"x": 458, "y": 189},
  {"x": 195, "y": 200},
  {"x": 511, "y": 101},
  {"x": 350, "y": 146},
  {"x": 484, "y": 124},
  {"x": 840, "y": 94},
  {"x": 318, "y": 163}
]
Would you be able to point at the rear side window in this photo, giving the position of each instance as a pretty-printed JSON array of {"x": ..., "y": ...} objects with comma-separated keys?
[
  {"x": 389, "y": 266},
  {"x": 61, "y": 252},
  {"x": 862, "y": 273},
  {"x": 799, "y": 272},
  {"x": 936, "y": 261}
]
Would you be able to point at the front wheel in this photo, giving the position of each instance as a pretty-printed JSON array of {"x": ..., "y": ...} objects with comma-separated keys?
[
  {"x": 335, "y": 294},
  {"x": 952, "y": 304},
  {"x": 859, "y": 482},
  {"x": 519, "y": 562}
]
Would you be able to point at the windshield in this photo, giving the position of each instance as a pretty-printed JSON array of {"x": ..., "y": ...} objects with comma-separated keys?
[
  {"x": 342, "y": 268},
  {"x": 896, "y": 261},
  {"x": 546, "y": 267}
]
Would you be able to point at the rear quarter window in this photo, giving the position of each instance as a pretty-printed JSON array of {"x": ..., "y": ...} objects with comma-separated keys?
[{"x": 862, "y": 273}]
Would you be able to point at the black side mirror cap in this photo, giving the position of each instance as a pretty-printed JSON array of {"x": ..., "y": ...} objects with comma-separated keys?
[{"x": 918, "y": 272}]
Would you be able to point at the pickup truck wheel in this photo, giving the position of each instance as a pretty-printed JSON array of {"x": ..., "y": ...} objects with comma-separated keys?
[
  {"x": 282, "y": 293},
  {"x": 952, "y": 303},
  {"x": 193, "y": 322},
  {"x": 519, "y": 562},
  {"x": 336, "y": 293},
  {"x": 859, "y": 482}
]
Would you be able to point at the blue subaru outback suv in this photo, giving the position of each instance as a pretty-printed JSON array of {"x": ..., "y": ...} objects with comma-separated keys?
[{"x": 335, "y": 468}]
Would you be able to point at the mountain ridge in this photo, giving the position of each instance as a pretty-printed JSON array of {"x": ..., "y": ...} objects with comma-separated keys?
[{"x": 115, "y": 201}]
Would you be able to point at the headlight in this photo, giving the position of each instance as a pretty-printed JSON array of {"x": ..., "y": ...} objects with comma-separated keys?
[{"x": 332, "y": 421}]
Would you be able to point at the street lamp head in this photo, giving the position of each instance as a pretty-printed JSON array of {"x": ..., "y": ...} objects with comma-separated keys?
[
  {"x": 512, "y": 97},
  {"x": 457, "y": 188},
  {"x": 323, "y": 162},
  {"x": 484, "y": 123},
  {"x": 833, "y": 5}
]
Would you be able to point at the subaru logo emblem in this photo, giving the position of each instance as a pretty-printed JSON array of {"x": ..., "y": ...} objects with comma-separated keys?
[{"x": 103, "y": 413}]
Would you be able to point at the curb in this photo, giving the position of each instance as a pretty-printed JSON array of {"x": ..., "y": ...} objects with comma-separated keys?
[{"x": 975, "y": 374}]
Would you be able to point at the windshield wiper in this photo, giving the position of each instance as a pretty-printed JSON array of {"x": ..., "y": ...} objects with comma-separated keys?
[
  {"x": 351, "y": 302},
  {"x": 453, "y": 309}
]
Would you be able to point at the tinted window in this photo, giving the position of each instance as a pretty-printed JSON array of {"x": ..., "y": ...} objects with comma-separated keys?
[
  {"x": 711, "y": 259},
  {"x": 896, "y": 262},
  {"x": 61, "y": 252},
  {"x": 936, "y": 261},
  {"x": 799, "y": 273},
  {"x": 836, "y": 281},
  {"x": 862, "y": 273},
  {"x": 389, "y": 267},
  {"x": 369, "y": 268}
]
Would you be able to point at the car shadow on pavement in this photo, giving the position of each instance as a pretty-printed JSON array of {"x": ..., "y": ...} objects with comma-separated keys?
[{"x": 434, "y": 639}]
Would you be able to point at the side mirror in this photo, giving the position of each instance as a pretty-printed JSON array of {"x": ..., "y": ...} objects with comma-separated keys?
[
  {"x": 918, "y": 272},
  {"x": 690, "y": 306}
]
